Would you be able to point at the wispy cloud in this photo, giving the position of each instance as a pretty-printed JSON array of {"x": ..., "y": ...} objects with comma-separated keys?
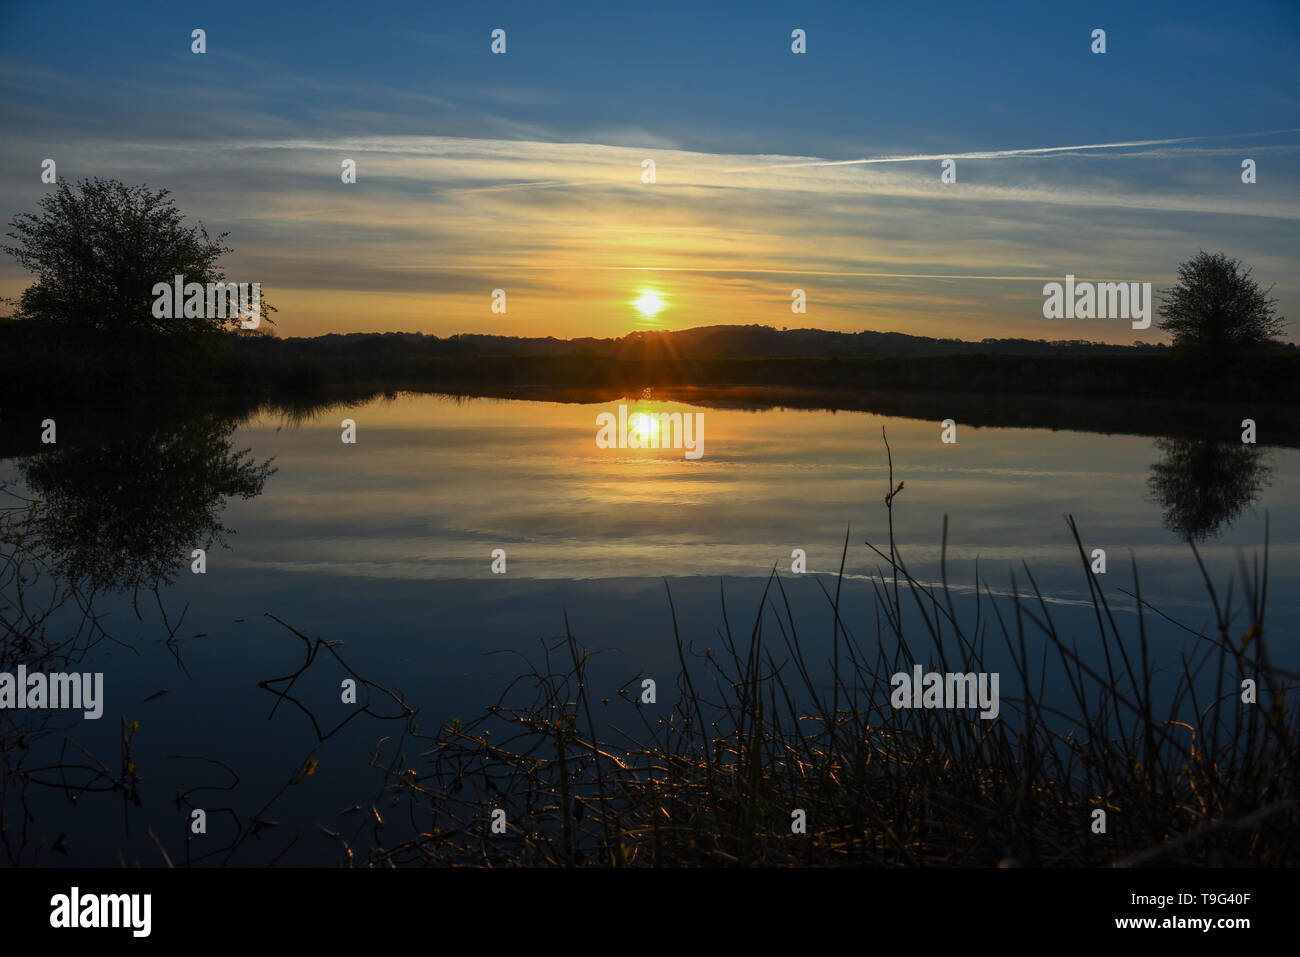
[{"x": 434, "y": 223}]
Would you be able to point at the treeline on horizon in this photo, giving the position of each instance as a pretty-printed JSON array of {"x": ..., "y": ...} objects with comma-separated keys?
[
  {"x": 38, "y": 361},
  {"x": 734, "y": 342}
]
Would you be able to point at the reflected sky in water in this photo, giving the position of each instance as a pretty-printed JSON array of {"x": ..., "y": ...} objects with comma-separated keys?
[
  {"x": 434, "y": 484},
  {"x": 386, "y": 546}
]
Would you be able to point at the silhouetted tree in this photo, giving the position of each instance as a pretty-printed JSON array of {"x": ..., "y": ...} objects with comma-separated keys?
[
  {"x": 97, "y": 250},
  {"x": 1217, "y": 307}
]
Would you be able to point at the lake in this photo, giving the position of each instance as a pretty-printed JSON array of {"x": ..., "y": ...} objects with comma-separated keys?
[{"x": 386, "y": 545}]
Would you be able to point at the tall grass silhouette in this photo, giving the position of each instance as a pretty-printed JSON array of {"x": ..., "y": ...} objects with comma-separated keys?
[{"x": 1184, "y": 777}]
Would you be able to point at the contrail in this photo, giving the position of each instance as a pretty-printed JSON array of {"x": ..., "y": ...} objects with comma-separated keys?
[{"x": 995, "y": 154}]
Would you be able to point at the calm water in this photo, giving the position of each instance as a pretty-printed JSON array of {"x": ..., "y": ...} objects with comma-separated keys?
[{"x": 386, "y": 545}]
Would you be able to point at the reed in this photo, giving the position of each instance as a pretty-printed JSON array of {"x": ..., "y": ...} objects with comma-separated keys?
[{"x": 1185, "y": 777}]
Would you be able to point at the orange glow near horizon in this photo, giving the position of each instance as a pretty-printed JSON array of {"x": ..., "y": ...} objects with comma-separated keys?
[{"x": 599, "y": 303}]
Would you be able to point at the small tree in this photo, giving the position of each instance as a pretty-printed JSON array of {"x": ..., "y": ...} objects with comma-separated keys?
[
  {"x": 1217, "y": 307},
  {"x": 97, "y": 250}
]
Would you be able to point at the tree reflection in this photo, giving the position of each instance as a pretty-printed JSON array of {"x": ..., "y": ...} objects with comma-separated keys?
[
  {"x": 1203, "y": 484},
  {"x": 125, "y": 513},
  {"x": 121, "y": 512}
]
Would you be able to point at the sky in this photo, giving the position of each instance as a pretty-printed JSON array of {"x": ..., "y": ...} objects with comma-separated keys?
[{"x": 523, "y": 171}]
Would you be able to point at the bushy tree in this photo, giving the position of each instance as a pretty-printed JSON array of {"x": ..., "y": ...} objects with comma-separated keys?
[
  {"x": 1216, "y": 306},
  {"x": 98, "y": 248}
]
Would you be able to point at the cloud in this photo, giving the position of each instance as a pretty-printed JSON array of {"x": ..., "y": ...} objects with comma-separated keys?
[{"x": 433, "y": 223}]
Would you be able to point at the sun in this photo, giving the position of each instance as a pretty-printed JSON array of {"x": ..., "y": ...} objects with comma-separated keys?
[
  {"x": 646, "y": 426},
  {"x": 648, "y": 304}
]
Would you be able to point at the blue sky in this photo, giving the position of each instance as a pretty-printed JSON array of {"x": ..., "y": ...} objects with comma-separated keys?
[{"x": 521, "y": 171}]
